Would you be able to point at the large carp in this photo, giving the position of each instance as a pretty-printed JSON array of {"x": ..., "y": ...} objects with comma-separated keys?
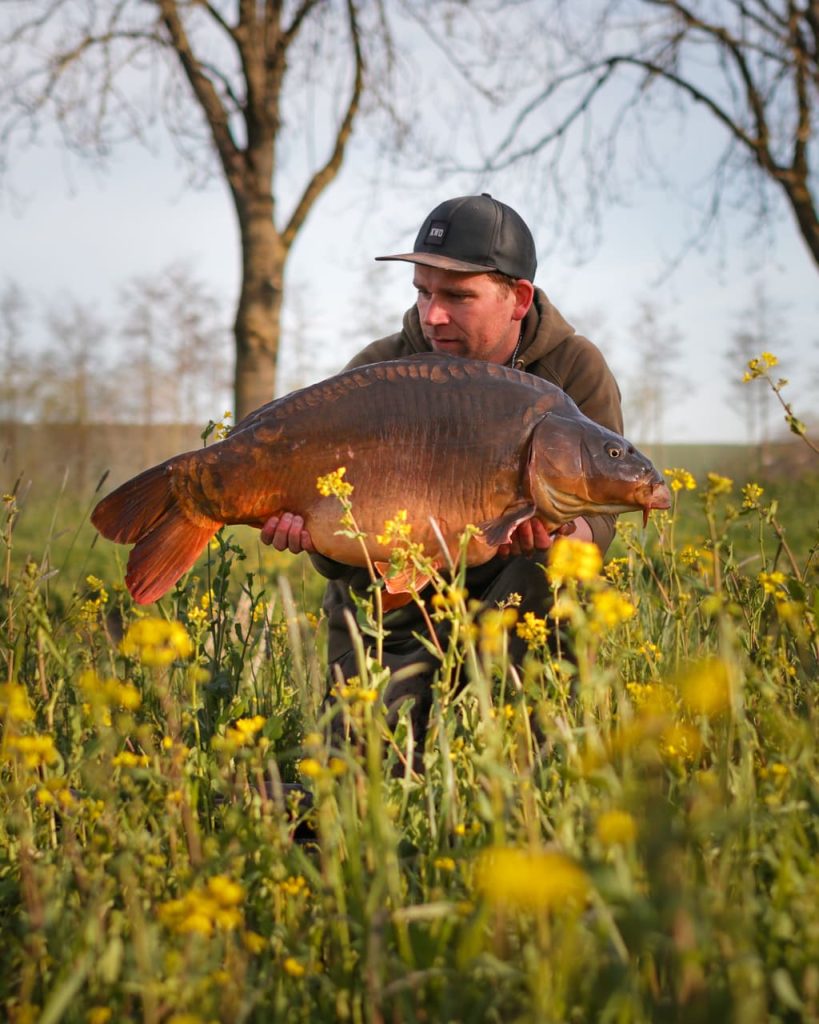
[{"x": 454, "y": 441}]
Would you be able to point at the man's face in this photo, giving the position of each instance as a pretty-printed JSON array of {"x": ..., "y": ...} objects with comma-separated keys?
[{"x": 470, "y": 315}]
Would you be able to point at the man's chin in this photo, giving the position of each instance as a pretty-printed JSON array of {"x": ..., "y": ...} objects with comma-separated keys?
[{"x": 447, "y": 348}]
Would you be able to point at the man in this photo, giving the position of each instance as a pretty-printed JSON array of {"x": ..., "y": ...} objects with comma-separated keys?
[{"x": 474, "y": 266}]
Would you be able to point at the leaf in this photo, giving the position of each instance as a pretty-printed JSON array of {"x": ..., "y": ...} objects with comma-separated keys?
[{"x": 784, "y": 989}]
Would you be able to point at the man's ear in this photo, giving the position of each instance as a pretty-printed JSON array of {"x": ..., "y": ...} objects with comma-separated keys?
[{"x": 524, "y": 294}]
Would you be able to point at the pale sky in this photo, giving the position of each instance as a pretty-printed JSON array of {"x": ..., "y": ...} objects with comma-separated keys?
[{"x": 74, "y": 231}]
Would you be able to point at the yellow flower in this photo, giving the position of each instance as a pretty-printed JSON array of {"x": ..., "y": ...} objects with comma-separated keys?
[
  {"x": 334, "y": 484},
  {"x": 397, "y": 529},
  {"x": 719, "y": 484},
  {"x": 128, "y": 759},
  {"x": 651, "y": 699},
  {"x": 680, "y": 479},
  {"x": 296, "y": 885},
  {"x": 35, "y": 751},
  {"x": 253, "y": 942},
  {"x": 533, "y": 631},
  {"x": 494, "y": 625},
  {"x": 751, "y": 493},
  {"x": 156, "y": 641},
  {"x": 705, "y": 688},
  {"x": 616, "y": 828},
  {"x": 310, "y": 767},
  {"x": 444, "y": 863},
  {"x": 571, "y": 559},
  {"x": 530, "y": 880},
  {"x": 294, "y": 968},
  {"x": 204, "y": 909},
  {"x": 243, "y": 731},
  {"x": 14, "y": 703},
  {"x": 758, "y": 367},
  {"x": 609, "y": 608},
  {"x": 99, "y": 1015},
  {"x": 772, "y": 582},
  {"x": 680, "y": 742}
]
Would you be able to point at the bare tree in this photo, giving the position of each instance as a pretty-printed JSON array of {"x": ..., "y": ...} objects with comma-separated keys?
[
  {"x": 77, "y": 388},
  {"x": 18, "y": 381},
  {"x": 610, "y": 67},
  {"x": 243, "y": 80},
  {"x": 762, "y": 328},
  {"x": 175, "y": 356},
  {"x": 657, "y": 347}
]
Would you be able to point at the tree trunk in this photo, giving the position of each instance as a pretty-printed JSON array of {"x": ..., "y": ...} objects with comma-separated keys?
[{"x": 258, "y": 317}]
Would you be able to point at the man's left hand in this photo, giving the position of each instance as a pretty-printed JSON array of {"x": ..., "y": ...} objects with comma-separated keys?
[{"x": 533, "y": 536}]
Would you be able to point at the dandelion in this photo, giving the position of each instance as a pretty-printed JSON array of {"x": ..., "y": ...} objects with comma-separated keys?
[
  {"x": 616, "y": 828},
  {"x": 705, "y": 688},
  {"x": 571, "y": 559},
  {"x": 157, "y": 642},
  {"x": 680, "y": 479},
  {"x": 334, "y": 484},
  {"x": 530, "y": 880},
  {"x": 533, "y": 631}
]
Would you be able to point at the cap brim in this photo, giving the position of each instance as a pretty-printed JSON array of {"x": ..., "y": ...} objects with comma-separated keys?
[{"x": 432, "y": 259}]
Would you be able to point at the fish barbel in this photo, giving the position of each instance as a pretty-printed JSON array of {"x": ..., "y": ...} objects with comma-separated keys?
[{"x": 453, "y": 441}]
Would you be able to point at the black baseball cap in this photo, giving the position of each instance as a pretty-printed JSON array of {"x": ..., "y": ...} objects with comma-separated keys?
[{"x": 474, "y": 234}]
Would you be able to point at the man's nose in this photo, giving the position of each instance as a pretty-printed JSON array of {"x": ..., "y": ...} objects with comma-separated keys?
[{"x": 435, "y": 313}]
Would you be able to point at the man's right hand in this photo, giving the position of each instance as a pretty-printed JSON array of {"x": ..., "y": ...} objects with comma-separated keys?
[{"x": 286, "y": 532}]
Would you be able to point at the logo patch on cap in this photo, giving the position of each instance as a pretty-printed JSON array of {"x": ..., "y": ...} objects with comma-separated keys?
[{"x": 437, "y": 232}]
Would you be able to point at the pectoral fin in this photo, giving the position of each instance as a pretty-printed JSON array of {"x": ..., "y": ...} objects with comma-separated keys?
[
  {"x": 400, "y": 585},
  {"x": 498, "y": 531}
]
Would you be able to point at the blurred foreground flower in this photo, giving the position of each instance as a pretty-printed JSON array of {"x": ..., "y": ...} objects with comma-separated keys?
[
  {"x": 214, "y": 905},
  {"x": 334, "y": 484},
  {"x": 157, "y": 641},
  {"x": 705, "y": 688},
  {"x": 535, "y": 880},
  {"x": 616, "y": 828},
  {"x": 571, "y": 559}
]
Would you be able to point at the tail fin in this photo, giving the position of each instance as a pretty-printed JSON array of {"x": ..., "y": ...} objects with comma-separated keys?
[{"x": 144, "y": 511}]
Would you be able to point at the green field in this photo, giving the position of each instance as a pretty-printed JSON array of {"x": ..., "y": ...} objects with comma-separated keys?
[{"x": 629, "y": 834}]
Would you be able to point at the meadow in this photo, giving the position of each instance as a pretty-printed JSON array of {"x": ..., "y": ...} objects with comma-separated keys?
[{"x": 624, "y": 829}]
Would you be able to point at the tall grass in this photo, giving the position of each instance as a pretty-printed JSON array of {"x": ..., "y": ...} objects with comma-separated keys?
[{"x": 624, "y": 829}]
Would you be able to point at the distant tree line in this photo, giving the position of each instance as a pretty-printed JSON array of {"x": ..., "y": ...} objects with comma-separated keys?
[{"x": 162, "y": 356}]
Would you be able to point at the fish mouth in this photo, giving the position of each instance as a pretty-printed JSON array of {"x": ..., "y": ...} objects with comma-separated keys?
[{"x": 658, "y": 496}]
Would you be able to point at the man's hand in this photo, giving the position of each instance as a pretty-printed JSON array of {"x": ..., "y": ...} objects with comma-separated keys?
[
  {"x": 533, "y": 536},
  {"x": 287, "y": 533}
]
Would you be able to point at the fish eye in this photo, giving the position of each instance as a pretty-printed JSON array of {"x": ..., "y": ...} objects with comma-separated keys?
[{"x": 614, "y": 451}]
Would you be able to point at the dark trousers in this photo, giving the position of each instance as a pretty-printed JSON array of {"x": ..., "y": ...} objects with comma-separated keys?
[{"x": 491, "y": 584}]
